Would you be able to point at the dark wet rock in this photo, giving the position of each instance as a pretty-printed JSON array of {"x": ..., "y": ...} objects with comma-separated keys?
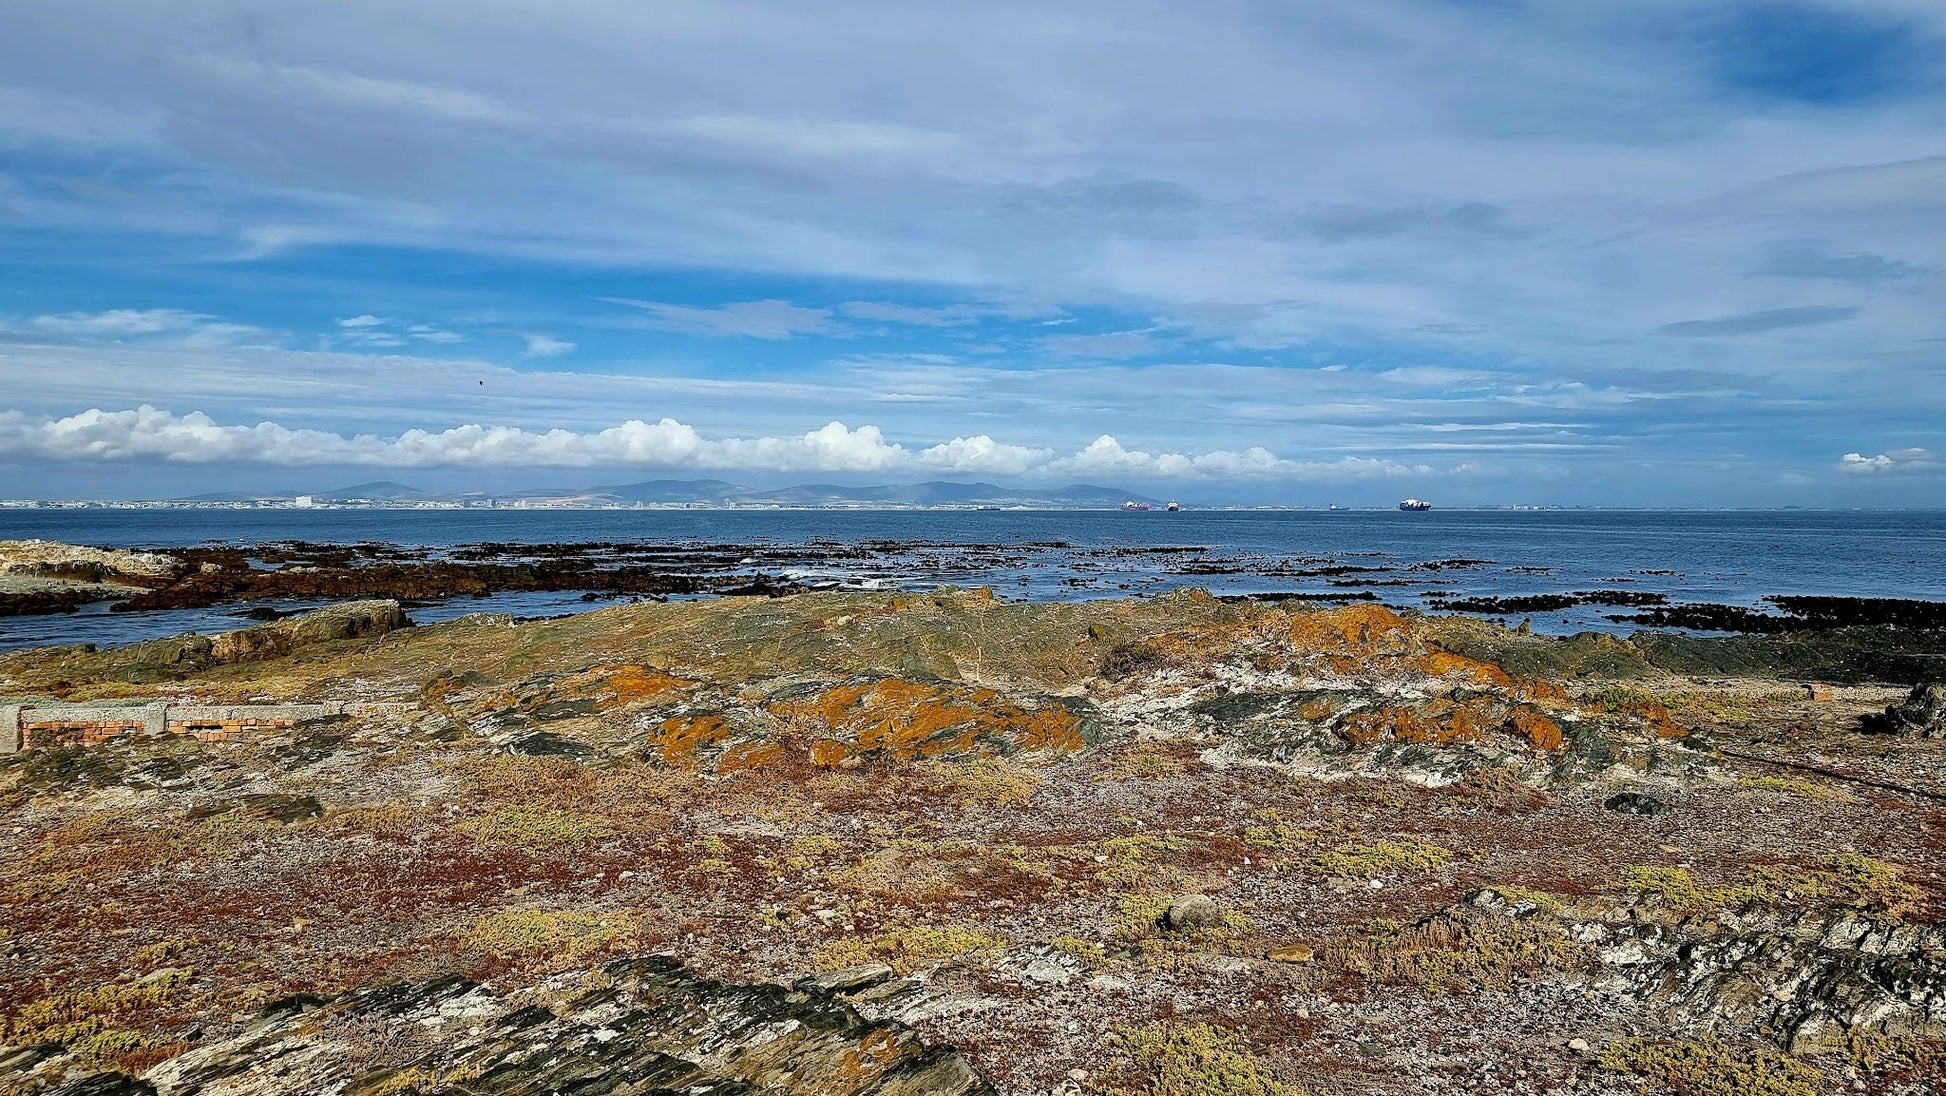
[
  {"x": 1922, "y": 714},
  {"x": 639, "y": 1027},
  {"x": 1192, "y": 913},
  {"x": 1799, "y": 614},
  {"x": 1805, "y": 979},
  {"x": 1505, "y": 606},
  {"x": 1636, "y": 803},
  {"x": 549, "y": 744},
  {"x": 44, "y": 602}
]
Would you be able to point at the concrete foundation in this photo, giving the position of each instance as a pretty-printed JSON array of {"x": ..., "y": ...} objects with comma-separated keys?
[{"x": 23, "y": 727}]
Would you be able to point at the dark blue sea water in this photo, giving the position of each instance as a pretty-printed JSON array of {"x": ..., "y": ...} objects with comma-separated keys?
[{"x": 1731, "y": 557}]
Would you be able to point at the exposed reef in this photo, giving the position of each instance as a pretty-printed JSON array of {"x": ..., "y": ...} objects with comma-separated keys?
[{"x": 888, "y": 843}]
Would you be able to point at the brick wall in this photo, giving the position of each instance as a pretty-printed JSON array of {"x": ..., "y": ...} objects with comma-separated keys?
[{"x": 24, "y": 727}]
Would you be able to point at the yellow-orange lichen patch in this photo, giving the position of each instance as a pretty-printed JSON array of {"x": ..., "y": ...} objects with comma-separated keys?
[
  {"x": 677, "y": 738},
  {"x": 909, "y": 720},
  {"x": 1442, "y": 724},
  {"x": 617, "y": 685},
  {"x": 1447, "y": 664},
  {"x": 1346, "y": 638},
  {"x": 1540, "y": 732},
  {"x": 1359, "y": 630},
  {"x": 1535, "y": 691}
]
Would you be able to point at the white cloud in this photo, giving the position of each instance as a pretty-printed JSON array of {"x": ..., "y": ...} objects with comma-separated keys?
[
  {"x": 152, "y": 434},
  {"x": 768, "y": 319},
  {"x": 542, "y": 346},
  {"x": 173, "y": 325},
  {"x": 354, "y": 322},
  {"x": 1899, "y": 460},
  {"x": 1107, "y": 456},
  {"x": 983, "y": 455}
]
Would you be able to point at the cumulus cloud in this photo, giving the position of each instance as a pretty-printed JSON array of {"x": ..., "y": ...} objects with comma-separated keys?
[
  {"x": 354, "y": 322},
  {"x": 153, "y": 434},
  {"x": 1898, "y": 460}
]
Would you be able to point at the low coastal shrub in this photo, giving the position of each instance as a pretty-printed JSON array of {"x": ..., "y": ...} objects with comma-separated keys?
[
  {"x": 1711, "y": 1067},
  {"x": 536, "y": 827},
  {"x": 1367, "y": 860},
  {"x": 908, "y": 948},
  {"x": 561, "y": 936},
  {"x": 1189, "y": 1059}
]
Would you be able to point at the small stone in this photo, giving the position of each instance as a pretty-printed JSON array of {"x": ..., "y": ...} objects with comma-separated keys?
[
  {"x": 1192, "y": 913},
  {"x": 1579, "y": 1046},
  {"x": 1291, "y": 953},
  {"x": 1821, "y": 693},
  {"x": 1077, "y": 1075},
  {"x": 1635, "y": 803},
  {"x": 1048, "y": 972}
]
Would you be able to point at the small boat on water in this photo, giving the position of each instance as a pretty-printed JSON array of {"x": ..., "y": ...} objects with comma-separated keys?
[
  {"x": 1174, "y": 506},
  {"x": 1132, "y": 505},
  {"x": 1414, "y": 505}
]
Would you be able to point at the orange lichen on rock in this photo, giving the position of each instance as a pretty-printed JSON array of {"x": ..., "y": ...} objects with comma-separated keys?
[
  {"x": 1540, "y": 732},
  {"x": 910, "y": 720},
  {"x": 1364, "y": 631},
  {"x": 1535, "y": 691},
  {"x": 617, "y": 685},
  {"x": 677, "y": 738},
  {"x": 1443, "y": 724},
  {"x": 1447, "y": 664}
]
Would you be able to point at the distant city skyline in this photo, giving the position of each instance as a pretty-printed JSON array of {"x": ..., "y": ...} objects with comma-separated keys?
[{"x": 1665, "y": 253}]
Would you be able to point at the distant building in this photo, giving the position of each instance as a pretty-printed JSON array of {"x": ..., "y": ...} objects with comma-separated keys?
[{"x": 305, "y": 501}]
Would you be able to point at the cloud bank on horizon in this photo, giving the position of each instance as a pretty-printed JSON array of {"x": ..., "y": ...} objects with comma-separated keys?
[{"x": 1667, "y": 252}]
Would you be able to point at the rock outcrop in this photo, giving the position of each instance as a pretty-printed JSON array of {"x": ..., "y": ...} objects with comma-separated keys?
[
  {"x": 1922, "y": 714},
  {"x": 636, "y": 1027},
  {"x": 77, "y": 563},
  {"x": 355, "y": 620},
  {"x": 1804, "y": 979}
]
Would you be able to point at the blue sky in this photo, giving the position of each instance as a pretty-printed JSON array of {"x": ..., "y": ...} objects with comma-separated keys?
[{"x": 1652, "y": 252}]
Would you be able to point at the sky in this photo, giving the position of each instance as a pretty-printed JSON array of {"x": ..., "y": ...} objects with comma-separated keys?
[{"x": 1486, "y": 252}]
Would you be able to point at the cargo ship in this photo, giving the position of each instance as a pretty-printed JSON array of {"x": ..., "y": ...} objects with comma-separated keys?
[
  {"x": 1414, "y": 505},
  {"x": 1133, "y": 505}
]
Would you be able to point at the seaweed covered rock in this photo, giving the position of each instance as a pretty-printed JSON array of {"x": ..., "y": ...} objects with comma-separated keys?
[{"x": 636, "y": 1027}]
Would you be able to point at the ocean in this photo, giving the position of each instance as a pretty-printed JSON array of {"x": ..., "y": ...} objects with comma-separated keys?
[{"x": 1403, "y": 559}]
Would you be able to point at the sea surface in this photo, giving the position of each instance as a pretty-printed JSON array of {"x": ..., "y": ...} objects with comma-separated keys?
[{"x": 1408, "y": 560}]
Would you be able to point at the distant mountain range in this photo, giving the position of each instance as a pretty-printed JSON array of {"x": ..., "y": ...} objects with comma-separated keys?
[{"x": 710, "y": 492}]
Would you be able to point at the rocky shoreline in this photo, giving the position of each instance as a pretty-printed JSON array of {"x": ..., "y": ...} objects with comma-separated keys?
[{"x": 891, "y": 843}]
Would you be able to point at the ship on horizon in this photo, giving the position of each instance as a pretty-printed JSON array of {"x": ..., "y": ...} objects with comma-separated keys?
[
  {"x": 1133, "y": 505},
  {"x": 1414, "y": 505}
]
